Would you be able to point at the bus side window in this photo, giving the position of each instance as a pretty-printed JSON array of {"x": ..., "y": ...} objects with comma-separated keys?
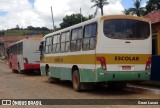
[
  {"x": 48, "y": 47},
  {"x": 14, "y": 49},
  {"x": 56, "y": 43},
  {"x": 76, "y": 39},
  {"x": 90, "y": 32},
  {"x": 65, "y": 41},
  {"x": 19, "y": 48}
]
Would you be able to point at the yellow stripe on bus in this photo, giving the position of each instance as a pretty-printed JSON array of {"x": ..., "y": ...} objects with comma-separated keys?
[{"x": 91, "y": 59}]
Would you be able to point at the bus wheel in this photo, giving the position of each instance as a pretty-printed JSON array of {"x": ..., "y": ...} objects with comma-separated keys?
[{"x": 76, "y": 81}]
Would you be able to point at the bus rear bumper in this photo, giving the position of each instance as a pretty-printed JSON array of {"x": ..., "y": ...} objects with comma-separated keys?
[
  {"x": 129, "y": 76},
  {"x": 31, "y": 66},
  {"x": 124, "y": 76}
]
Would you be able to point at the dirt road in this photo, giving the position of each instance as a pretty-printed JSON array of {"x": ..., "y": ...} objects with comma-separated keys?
[{"x": 25, "y": 86}]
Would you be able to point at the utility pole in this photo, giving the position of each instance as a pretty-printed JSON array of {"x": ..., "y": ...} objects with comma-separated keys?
[
  {"x": 52, "y": 17},
  {"x": 81, "y": 14}
]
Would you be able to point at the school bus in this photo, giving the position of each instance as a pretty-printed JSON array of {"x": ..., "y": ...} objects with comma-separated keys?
[{"x": 113, "y": 49}]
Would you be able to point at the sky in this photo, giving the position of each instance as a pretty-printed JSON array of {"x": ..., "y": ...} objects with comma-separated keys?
[{"x": 37, "y": 13}]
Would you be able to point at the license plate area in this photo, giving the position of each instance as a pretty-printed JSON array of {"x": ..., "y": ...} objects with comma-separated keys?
[{"x": 126, "y": 67}]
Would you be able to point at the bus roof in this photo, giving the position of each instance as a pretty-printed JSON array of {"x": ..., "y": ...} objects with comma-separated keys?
[
  {"x": 95, "y": 19},
  {"x": 71, "y": 27},
  {"x": 27, "y": 38},
  {"x": 125, "y": 17}
]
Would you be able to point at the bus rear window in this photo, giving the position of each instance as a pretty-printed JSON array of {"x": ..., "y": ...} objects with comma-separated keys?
[{"x": 126, "y": 29}]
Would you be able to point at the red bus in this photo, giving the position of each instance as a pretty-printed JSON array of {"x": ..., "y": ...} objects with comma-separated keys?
[{"x": 24, "y": 55}]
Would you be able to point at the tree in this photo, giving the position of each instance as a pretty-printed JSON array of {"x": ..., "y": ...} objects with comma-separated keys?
[
  {"x": 126, "y": 11},
  {"x": 90, "y": 16},
  {"x": 17, "y": 27},
  {"x": 99, "y": 4},
  {"x": 71, "y": 20},
  {"x": 138, "y": 10},
  {"x": 30, "y": 28},
  {"x": 152, "y": 5}
]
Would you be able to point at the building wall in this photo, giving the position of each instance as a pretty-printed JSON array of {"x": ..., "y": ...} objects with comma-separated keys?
[
  {"x": 155, "y": 70},
  {"x": 156, "y": 30}
]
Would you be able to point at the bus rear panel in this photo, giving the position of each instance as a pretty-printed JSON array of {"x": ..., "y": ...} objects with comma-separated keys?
[
  {"x": 123, "y": 51},
  {"x": 24, "y": 55}
]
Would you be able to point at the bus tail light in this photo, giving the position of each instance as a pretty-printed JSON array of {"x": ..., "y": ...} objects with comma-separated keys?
[
  {"x": 25, "y": 60},
  {"x": 102, "y": 61},
  {"x": 148, "y": 63}
]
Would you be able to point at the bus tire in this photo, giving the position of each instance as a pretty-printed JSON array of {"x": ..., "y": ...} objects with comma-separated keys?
[{"x": 76, "y": 81}]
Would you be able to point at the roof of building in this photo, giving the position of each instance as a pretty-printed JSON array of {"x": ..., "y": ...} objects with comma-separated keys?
[{"x": 153, "y": 16}]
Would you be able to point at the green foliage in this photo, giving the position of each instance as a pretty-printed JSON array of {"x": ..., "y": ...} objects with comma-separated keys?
[
  {"x": 14, "y": 32},
  {"x": 99, "y": 4},
  {"x": 152, "y": 5},
  {"x": 137, "y": 9},
  {"x": 126, "y": 11},
  {"x": 73, "y": 19},
  {"x": 26, "y": 31}
]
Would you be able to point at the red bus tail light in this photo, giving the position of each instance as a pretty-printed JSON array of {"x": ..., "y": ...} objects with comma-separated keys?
[
  {"x": 102, "y": 61},
  {"x": 148, "y": 63}
]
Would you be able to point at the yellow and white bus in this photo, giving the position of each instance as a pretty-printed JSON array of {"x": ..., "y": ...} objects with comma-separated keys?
[{"x": 115, "y": 49}]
